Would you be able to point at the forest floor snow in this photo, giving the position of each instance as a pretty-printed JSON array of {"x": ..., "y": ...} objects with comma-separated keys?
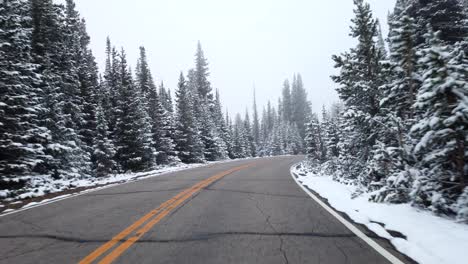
[{"x": 427, "y": 238}]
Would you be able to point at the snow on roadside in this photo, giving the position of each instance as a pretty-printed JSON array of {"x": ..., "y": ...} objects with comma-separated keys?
[
  {"x": 40, "y": 186},
  {"x": 430, "y": 239}
]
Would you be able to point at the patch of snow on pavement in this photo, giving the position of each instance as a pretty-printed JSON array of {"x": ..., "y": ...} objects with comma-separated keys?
[{"x": 430, "y": 239}]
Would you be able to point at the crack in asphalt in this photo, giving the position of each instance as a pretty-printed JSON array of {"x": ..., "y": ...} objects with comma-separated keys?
[
  {"x": 199, "y": 237},
  {"x": 341, "y": 251},
  {"x": 22, "y": 253},
  {"x": 267, "y": 220}
]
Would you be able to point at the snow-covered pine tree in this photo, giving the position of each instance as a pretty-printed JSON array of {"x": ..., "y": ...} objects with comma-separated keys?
[
  {"x": 144, "y": 80},
  {"x": 104, "y": 150},
  {"x": 87, "y": 75},
  {"x": 441, "y": 132},
  {"x": 390, "y": 165},
  {"x": 202, "y": 74},
  {"x": 229, "y": 136},
  {"x": 20, "y": 134},
  {"x": 292, "y": 140},
  {"x": 161, "y": 129},
  {"x": 134, "y": 146},
  {"x": 360, "y": 77},
  {"x": 324, "y": 124},
  {"x": 166, "y": 99},
  {"x": 399, "y": 94},
  {"x": 380, "y": 40},
  {"x": 255, "y": 122},
  {"x": 200, "y": 87},
  {"x": 275, "y": 142},
  {"x": 240, "y": 143},
  {"x": 313, "y": 139},
  {"x": 71, "y": 56},
  {"x": 331, "y": 137},
  {"x": 161, "y": 123},
  {"x": 251, "y": 147},
  {"x": 60, "y": 90},
  {"x": 263, "y": 133},
  {"x": 221, "y": 128},
  {"x": 447, "y": 16},
  {"x": 188, "y": 143},
  {"x": 109, "y": 88}
]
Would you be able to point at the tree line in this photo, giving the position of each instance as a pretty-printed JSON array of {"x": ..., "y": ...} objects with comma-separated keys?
[
  {"x": 401, "y": 133},
  {"x": 61, "y": 118}
]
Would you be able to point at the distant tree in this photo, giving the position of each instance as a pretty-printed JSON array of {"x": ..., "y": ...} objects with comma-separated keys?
[
  {"x": 300, "y": 106},
  {"x": 201, "y": 74},
  {"x": 287, "y": 104},
  {"x": 255, "y": 122}
]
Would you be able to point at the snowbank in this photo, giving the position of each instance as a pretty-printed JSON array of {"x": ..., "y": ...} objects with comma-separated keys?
[{"x": 429, "y": 239}]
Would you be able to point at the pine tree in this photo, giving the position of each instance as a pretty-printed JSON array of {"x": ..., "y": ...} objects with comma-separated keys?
[
  {"x": 255, "y": 122},
  {"x": 20, "y": 134},
  {"x": 188, "y": 143},
  {"x": 161, "y": 122},
  {"x": 240, "y": 144},
  {"x": 441, "y": 132},
  {"x": 314, "y": 145},
  {"x": 362, "y": 63},
  {"x": 201, "y": 74},
  {"x": 447, "y": 16},
  {"x": 275, "y": 142},
  {"x": 161, "y": 129},
  {"x": 60, "y": 90},
  {"x": 330, "y": 135},
  {"x": 360, "y": 77},
  {"x": 264, "y": 131},
  {"x": 380, "y": 40},
  {"x": 166, "y": 98},
  {"x": 287, "y": 104},
  {"x": 399, "y": 94},
  {"x": 229, "y": 136},
  {"x": 104, "y": 150},
  {"x": 134, "y": 146},
  {"x": 204, "y": 107},
  {"x": 86, "y": 74},
  {"x": 221, "y": 128},
  {"x": 300, "y": 106},
  {"x": 251, "y": 148},
  {"x": 144, "y": 80},
  {"x": 109, "y": 88},
  {"x": 391, "y": 161}
]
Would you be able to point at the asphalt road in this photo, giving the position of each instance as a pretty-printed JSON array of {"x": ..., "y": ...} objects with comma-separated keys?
[{"x": 249, "y": 211}]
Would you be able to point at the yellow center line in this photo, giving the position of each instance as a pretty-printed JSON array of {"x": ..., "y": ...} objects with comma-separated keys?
[{"x": 152, "y": 218}]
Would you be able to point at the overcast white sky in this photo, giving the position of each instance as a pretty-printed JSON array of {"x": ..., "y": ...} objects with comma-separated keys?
[{"x": 247, "y": 42}]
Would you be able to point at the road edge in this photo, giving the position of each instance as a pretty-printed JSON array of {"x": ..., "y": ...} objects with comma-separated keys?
[
  {"x": 382, "y": 251},
  {"x": 99, "y": 188}
]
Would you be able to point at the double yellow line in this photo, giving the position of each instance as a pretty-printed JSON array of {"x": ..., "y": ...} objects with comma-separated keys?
[{"x": 135, "y": 231}]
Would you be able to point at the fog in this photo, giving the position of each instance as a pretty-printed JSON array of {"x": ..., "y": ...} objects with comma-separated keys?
[{"x": 248, "y": 43}]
